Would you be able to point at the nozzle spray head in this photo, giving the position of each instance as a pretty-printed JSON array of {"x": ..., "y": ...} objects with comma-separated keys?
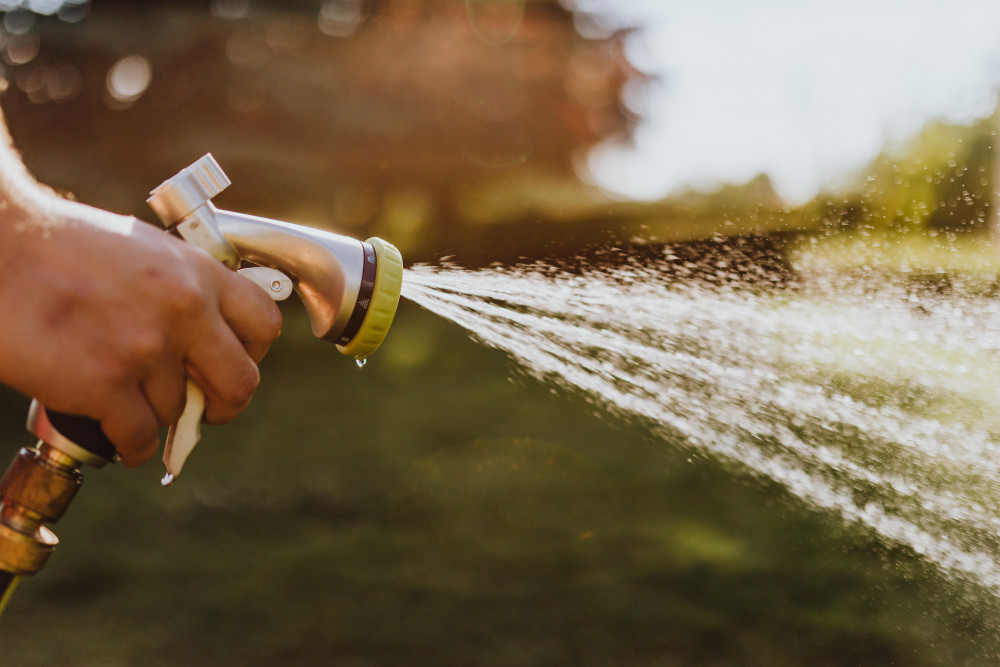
[
  {"x": 378, "y": 308},
  {"x": 350, "y": 289}
]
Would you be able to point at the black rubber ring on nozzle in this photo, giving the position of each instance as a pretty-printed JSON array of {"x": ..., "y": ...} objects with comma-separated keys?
[{"x": 364, "y": 295}]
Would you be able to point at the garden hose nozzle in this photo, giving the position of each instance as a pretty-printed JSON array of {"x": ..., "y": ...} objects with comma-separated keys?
[{"x": 350, "y": 289}]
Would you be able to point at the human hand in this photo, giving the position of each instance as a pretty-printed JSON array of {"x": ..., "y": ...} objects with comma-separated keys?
[{"x": 105, "y": 316}]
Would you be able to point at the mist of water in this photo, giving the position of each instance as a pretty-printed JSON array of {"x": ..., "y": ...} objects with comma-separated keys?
[{"x": 866, "y": 397}]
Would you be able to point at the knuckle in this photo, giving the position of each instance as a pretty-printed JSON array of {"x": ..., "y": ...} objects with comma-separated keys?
[
  {"x": 144, "y": 345},
  {"x": 117, "y": 372},
  {"x": 177, "y": 289},
  {"x": 186, "y": 298},
  {"x": 241, "y": 389}
]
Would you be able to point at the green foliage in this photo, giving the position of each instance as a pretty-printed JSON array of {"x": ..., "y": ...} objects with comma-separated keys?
[{"x": 938, "y": 182}]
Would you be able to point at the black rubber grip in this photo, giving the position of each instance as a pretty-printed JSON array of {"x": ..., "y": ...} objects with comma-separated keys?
[{"x": 83, "y": 432}]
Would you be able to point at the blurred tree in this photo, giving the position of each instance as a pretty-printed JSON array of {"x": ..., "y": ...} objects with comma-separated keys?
[
  {"x": 366, "y": 114},
  {"x": 940, "y": 181}
]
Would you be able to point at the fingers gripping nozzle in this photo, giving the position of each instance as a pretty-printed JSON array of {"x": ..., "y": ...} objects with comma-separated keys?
[{"x": 350, "y": 289}]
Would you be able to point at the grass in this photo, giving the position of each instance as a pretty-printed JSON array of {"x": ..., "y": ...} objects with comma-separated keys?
[
  {"x": 973, "y": 256},
  {"x": 428, "y": 510}
]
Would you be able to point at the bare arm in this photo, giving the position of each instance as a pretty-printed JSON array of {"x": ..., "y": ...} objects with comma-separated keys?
[{"x": 104, "y": 316}]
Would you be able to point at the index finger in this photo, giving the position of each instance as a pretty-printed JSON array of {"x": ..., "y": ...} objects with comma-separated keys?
[{"x": 250, "y": 313}]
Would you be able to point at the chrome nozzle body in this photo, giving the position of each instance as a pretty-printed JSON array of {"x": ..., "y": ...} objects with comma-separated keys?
[{"x": 326, "y": 268}]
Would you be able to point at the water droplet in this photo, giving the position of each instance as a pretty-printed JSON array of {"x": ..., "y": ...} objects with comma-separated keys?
[{"x": 360, "y": 361}]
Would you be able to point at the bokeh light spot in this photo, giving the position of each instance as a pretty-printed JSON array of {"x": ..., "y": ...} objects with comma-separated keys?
[
  {"x": 340, "y": 18},
  {"x": 230, "y": 9},
  {"x": 18, "y": 22},
  {"x": 63, "y": 82},
  {"x": 33, "y": 85},
  {"x": 45, "y": 7},
  {"x": 22, "y": 49},
  {"x": 73, "y": 12},
  {"x": 495, "y": 21},
  {"x": 129, "y": 78}
]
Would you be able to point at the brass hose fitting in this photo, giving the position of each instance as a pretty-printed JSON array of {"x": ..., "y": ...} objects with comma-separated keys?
[{"x": 36, "y": 489}]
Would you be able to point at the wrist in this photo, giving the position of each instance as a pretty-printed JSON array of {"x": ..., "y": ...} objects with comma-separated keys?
[
  {"x": 15, "y": 217},
  {"x": 21, "y": 198}
]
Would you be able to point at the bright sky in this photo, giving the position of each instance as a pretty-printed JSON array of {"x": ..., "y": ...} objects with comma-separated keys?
[{"x": 805, "y": 90}]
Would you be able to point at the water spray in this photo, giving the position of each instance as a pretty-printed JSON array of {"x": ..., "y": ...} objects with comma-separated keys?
[
  {"x": 865, "y": 397},
  {"x": 350, "y": 290}
]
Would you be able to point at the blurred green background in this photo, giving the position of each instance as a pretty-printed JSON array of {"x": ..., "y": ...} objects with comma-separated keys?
[
  {"x": 436, "y": 508},
  {"x": 428, "y": 509}
]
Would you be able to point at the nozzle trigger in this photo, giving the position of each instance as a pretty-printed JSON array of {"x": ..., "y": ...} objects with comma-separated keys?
[{"x": 184, "y": 435}]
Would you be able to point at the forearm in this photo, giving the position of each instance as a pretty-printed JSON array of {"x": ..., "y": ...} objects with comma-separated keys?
[
  {"x": 23, "y": 204},
  {"x": 17, "y": 187},
  {"x": 30, "y": 211}
]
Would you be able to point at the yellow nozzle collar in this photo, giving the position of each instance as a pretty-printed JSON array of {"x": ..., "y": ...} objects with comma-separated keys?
[{"x": 385, "y": 298}]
